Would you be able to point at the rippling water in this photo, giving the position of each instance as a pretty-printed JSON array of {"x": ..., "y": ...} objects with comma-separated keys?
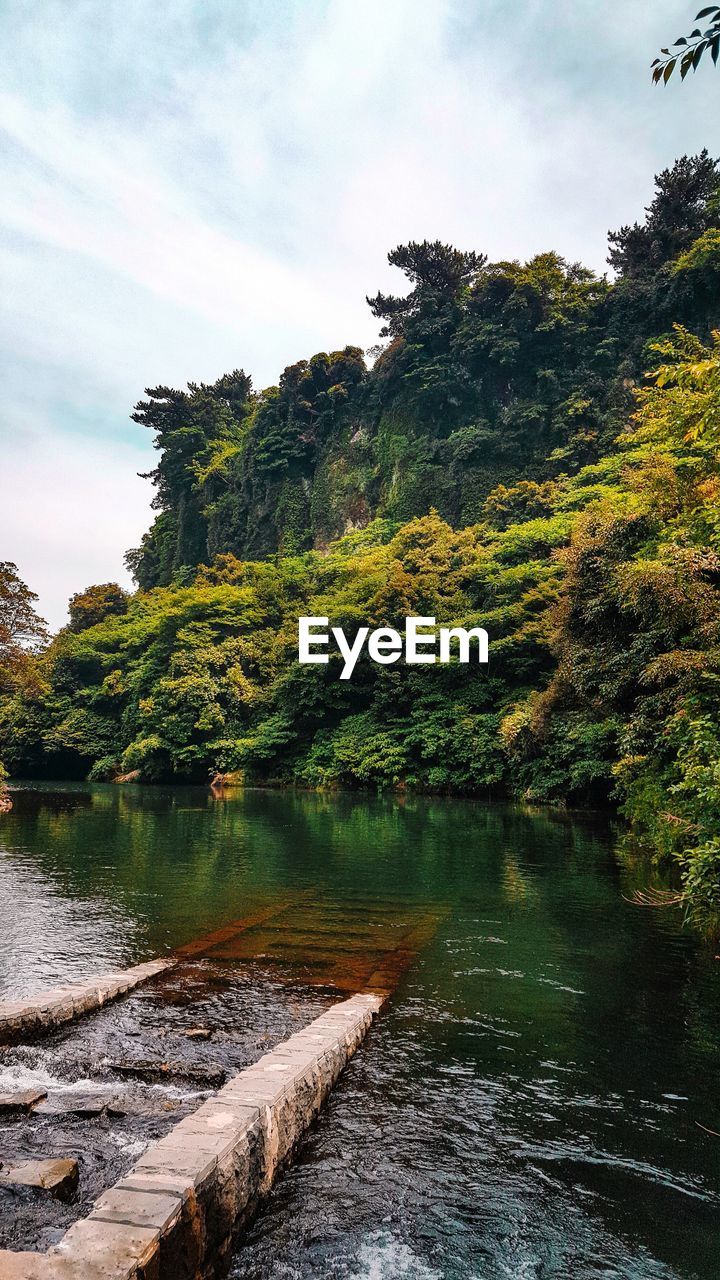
[{"x": 530, "y": 1103}]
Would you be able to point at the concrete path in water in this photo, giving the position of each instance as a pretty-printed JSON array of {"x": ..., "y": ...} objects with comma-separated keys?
[
  {"x": 177, "y": 1213},
  {"x": 38, "y": 1014}
]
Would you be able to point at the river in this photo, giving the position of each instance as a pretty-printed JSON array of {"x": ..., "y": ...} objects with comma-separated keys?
[{"x": 533, "y": 1103}]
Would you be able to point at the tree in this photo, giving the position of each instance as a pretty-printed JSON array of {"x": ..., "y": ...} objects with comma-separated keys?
[
  {"x": 690, "y": 49},
  {"x": 97, "y": 603},
  {"x": 438, "y": 273},
  {"x": 20, "y": 625},
  {"x": 686, "y": 204},
  {"x": 22, "y": 631}
]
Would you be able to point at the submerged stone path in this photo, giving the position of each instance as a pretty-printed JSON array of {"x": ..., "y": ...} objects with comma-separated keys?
[
  {"x": 50, "y": 1009},
  {"x": 175, "y": 1214},
  {"x": 357, "y": 944},
  {"x": 298, "y": 938}
]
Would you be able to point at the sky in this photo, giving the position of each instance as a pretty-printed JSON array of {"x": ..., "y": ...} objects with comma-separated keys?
[{"x": 191, "y": 187}]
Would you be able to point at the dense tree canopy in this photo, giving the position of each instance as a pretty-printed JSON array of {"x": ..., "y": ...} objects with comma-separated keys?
[
  {"x": 190, "y": 428},
  {"x": 439, "y": 274},
  {"x": 22, "y": 633},
  {"x": 491, "y": 373}
]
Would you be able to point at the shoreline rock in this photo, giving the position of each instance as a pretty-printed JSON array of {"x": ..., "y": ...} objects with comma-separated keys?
[{"x": 59, "y": 1177}]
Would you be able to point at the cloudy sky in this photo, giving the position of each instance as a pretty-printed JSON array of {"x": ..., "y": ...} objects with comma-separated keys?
[{"x": 197, "y": 185}]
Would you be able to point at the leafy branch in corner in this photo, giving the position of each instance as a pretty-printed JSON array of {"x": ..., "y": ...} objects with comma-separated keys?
[{"x": 690, "y": 49}]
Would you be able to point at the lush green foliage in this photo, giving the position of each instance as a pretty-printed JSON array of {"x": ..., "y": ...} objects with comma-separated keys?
[
  {"x": 503, "y": 464},
  {"x": 493, "y": 373}
]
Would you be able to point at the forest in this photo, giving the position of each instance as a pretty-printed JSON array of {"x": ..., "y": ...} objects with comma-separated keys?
[{"x": 532, "y": 449}]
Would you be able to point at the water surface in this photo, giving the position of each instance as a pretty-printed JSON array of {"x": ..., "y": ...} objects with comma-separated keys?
[{"x": 530, "y": 1103}]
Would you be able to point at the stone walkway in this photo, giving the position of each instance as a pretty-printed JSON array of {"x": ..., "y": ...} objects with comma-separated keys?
[
  {"x": 50, "y": 1009},
  {"x": 175, "y": 1214}
]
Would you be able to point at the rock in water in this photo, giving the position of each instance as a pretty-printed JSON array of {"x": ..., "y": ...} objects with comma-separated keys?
[
  {"x": 82, "y": 1105},
  {"x": 58, "y": 1177},
  {"x": 210, "y": 1076},
  {"x": 23, "y": 1101},
  {"x": 140, "y": 1105}
]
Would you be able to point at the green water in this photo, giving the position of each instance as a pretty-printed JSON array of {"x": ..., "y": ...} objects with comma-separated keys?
[{"x": 531, "y": 1103}]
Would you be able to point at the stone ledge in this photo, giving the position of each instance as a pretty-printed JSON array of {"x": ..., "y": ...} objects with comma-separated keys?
[
  {"x": 50, "y": 1009},
  {"x": 175, "y": 1215}
]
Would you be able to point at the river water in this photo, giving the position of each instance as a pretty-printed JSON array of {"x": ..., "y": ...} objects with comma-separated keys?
[{"x": 535, "y": 1100}]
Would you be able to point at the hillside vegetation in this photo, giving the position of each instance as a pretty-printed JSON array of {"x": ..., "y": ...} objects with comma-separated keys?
[{"x": 534, "y": 450}]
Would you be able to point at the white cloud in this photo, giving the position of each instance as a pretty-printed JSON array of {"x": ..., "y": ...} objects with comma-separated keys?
[{"x": 97, "y": 195}]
